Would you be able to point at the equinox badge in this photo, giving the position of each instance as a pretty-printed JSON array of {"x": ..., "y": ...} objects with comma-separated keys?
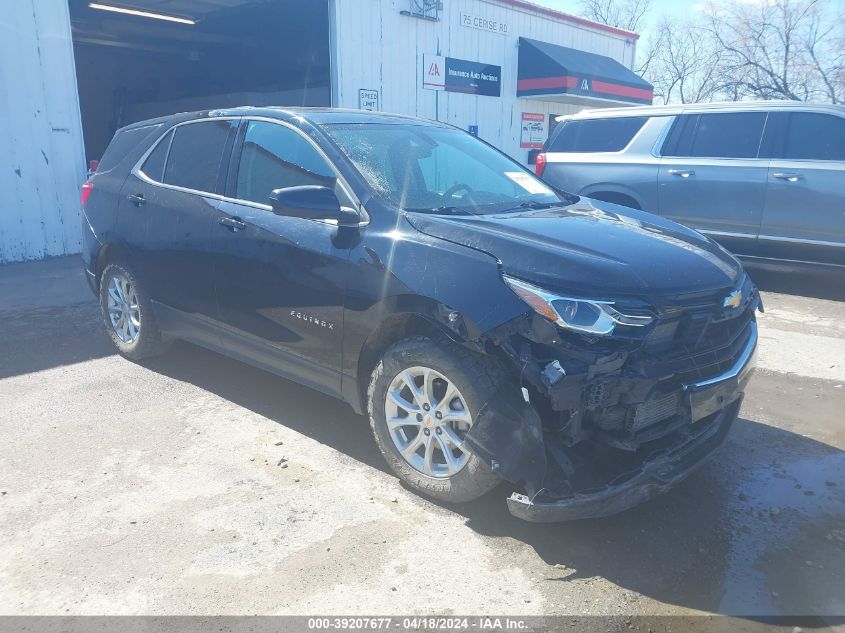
[
  {"x": 310, "y": 319},
  {"x": 733, "y": 300}
]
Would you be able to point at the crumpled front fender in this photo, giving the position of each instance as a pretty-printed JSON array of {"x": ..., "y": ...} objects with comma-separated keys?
[{"x": 508, "y": 435}]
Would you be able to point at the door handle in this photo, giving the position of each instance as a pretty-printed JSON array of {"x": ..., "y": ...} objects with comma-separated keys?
[
  {"x": 137, "y": 199},
  {"x": 787, "y": 175},
  {"x": 233, "y": 224},
  {"x": 683, "y": 173}
]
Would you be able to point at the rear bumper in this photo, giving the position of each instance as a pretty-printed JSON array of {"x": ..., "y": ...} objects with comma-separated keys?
[{"x": 718, "y": 398}]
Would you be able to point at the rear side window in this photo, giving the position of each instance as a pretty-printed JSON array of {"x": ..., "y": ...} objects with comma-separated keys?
[
  {"x": 718, "y": 135},
  {"x": 123, "y": 143},
  {"x": 273, "y": 157},
  {"x": 596, "y": 135},
  {"x": 153, "y": 167},
  {"x": 195, "y": 155},
  {"x": 815, "y": 136}
]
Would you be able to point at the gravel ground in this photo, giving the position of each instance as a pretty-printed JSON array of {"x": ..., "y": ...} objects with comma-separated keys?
[{"x": 193, "y": 484}]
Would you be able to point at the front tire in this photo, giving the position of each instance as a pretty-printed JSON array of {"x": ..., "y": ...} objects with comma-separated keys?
[
  {"x": 128, "y": 314},
  {"x": 422, "y": 399}
]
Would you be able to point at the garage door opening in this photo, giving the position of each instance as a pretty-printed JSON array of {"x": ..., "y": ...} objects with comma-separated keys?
[{"x": 220, "y": 53}]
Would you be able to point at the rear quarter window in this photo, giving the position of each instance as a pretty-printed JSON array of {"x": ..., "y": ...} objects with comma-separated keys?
[
  {"x": 596, "y": 135},
  {"x": 814, "y": 136},
  {"x": 153, "y": 167},
  {"x": 123, "y": 142}
]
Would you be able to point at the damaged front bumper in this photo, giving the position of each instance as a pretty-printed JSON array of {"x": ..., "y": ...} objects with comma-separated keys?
[{"x": 713, "y": 406}]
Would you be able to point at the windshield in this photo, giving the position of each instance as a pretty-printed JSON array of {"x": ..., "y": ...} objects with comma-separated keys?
[{"x": 435, "y": 169}]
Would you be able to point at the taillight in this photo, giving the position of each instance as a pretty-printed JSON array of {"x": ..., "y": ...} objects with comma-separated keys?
[
  {"x": 87, "y": 188},
  {"x": 540, "y": 164}
]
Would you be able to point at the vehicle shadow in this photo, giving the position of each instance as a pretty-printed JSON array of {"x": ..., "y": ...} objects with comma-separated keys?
[
  {"x": 41, "y": 338},
  {"x": 733, "y": 538},
  {"x": 803, "y": 282},
  {"x": 306, "y": 411}
]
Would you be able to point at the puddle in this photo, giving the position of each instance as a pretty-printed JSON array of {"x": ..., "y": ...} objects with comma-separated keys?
[{"x": 786, "y": 552}]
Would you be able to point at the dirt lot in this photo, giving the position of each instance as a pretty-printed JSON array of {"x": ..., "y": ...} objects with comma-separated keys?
[{"x": 157, "y": 489}]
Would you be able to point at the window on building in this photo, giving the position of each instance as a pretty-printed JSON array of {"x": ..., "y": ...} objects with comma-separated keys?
[
  {"x": 153, "y": 167},
  {"x": 195, "y": 155},
  {"x": 273, "y": 157},
  {"x": 596, "y": 135},
  {"x": 815, "y": 136},
  {"x": 718, "y": 135}
]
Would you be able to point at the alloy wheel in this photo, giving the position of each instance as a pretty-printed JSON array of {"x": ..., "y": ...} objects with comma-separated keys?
[
  {"x": 428, "y": 419},
  {"x": 124, "y": 313}
]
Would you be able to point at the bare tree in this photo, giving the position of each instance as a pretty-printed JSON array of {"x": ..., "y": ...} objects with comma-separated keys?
[
  {"x": 683, "y": 62},
  {"x": 623, "y": 14},
  {"x": 739, "y": 49},
  {"x": 779, "y": 49}
]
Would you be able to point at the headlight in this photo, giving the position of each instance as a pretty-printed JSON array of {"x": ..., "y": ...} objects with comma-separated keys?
[{"x": 581, "y": 315}]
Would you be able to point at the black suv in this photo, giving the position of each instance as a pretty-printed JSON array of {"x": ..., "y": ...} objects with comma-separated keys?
[{"x": 491, "y": 327}]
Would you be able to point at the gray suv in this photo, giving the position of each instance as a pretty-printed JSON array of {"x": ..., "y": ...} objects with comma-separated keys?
[{"x": 765, "y": 179}]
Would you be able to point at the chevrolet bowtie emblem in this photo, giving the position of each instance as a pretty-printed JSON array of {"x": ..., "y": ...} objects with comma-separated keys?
[{"x": 733, "y": 300}]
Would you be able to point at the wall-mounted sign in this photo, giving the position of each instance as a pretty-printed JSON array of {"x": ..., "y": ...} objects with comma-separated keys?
[
  {"x": 484, "y": 24},
  {"x": 535, "y": 130},
  {"x": 473, "y": 129},
  {"x": 460, "y": 75},
  {"x": 368, "y": 100}
]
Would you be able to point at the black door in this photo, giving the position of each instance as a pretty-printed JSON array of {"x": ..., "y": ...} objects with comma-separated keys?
[
  {"x": 280, "y": 280},
  {"x": 169, "y": 215}
]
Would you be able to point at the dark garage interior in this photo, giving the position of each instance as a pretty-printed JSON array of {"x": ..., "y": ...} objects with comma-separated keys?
[{"x": 132, "y": 67}]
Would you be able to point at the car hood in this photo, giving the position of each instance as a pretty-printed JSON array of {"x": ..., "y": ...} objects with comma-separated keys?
[{"x": 592, "y": 248}]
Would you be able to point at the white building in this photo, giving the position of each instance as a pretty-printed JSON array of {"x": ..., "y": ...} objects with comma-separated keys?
[{"x": 73, "y": 71}]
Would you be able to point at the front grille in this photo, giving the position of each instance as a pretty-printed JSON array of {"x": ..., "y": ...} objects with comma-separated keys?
[
  {"x": 662, "y": 334},
  {"x": 692, "y": 343},
  {"x": 705, "y": 346}
]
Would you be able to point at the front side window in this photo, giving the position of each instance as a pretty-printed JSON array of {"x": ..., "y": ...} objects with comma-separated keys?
[
  {"x": 195, "y": 155},
  {"x": 717, "y": 135},
  {"x": 429, "y": 168},
  {"x": 815, "y": 136},
  {"x": 596, "y": 135},
  {"x": 275, "y": 157}
]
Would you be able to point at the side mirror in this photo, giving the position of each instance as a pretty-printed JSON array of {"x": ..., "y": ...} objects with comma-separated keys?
[{"x": 311, "y": 202}]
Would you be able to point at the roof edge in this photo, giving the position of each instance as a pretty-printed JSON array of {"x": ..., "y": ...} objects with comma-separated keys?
[{"x": 567, "y": 17}]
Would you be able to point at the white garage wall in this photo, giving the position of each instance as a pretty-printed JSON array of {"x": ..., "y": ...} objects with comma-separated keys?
[
  {"x": 380, "y": 49},
  {"x": 42, "y": 161}
]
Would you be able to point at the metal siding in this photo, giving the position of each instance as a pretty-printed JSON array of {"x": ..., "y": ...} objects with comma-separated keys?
[
  {"x": 42, "y": 163},
  {"x": 378, "y": 48}
]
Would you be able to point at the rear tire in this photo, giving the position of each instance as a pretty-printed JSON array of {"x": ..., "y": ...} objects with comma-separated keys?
[
  {"x": 450, "y": 381},
  {"x": 128, "y": 313}
]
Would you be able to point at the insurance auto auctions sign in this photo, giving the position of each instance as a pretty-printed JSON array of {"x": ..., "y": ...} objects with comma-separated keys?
[{"x": 461, "y": 75}]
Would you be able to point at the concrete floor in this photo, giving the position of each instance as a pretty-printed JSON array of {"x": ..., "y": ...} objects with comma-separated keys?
[{"x": 156, "y": 489}]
